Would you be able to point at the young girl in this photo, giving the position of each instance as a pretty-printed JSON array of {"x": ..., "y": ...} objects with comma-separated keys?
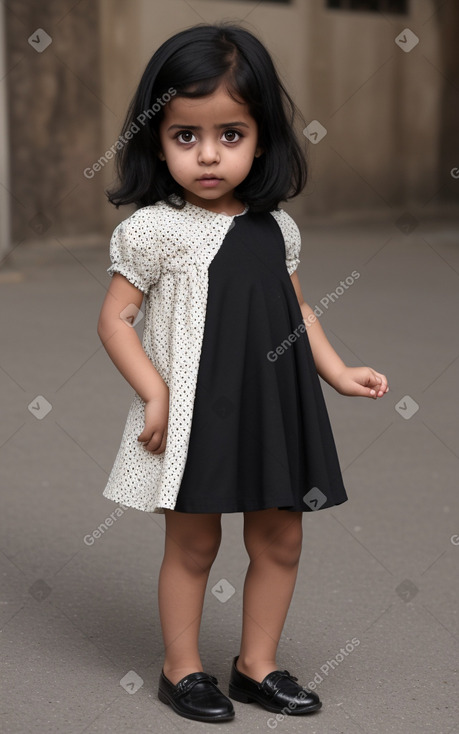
[{"x": 228, "y": 413}]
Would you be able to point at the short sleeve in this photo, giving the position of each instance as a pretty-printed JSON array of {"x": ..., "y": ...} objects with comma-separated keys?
[
  {"x": 134, "y": 251},
  {"x": 292, "y": 239}
]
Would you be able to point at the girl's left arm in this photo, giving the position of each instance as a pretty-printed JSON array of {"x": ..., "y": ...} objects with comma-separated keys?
[{"x": 363, "y": 381}]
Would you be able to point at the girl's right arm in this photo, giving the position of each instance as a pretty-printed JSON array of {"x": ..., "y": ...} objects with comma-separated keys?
[{"x": 125, "y": 350}]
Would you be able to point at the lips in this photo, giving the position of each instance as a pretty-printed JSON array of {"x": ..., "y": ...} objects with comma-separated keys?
[{"x": 209, "y": 181}]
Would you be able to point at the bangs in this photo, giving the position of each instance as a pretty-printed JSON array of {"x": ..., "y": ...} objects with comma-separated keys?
[
  {"x": 208, "y": 66},
  {"x": 205, "y": 87}
]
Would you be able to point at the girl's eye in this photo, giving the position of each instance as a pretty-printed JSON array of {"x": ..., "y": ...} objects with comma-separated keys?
[
  {"x": 231, "y": 136},
  {"x": 186, "y": 136}
]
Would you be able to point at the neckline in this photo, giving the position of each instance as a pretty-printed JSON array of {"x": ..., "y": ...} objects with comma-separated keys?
[{"x": 189, "y": 205}]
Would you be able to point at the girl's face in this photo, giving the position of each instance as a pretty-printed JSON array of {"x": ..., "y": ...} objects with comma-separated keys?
[{"x": 209, "y": 144}]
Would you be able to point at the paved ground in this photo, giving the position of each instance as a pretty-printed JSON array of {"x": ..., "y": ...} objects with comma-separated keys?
[{"x": 378, "y": 574}]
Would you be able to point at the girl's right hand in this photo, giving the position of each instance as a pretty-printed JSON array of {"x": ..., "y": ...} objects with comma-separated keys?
[{"x": 154, "y": 434}]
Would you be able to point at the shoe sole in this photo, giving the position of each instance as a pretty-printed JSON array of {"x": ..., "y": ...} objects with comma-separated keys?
[
  {"x": 243, "y": 697},
  {"x": 164, "y": 699}
]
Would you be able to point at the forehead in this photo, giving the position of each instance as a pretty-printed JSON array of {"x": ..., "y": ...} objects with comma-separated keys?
[{"x": 215, "y": 108}]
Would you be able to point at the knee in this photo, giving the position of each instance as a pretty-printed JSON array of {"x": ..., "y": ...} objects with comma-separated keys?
[
  {"x": 198, "y": 552},
  {"x": 285, "y": 550},
  {"x": 281, "y": 548}
]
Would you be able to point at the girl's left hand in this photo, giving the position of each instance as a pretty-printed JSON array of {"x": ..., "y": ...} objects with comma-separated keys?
[{"x": 363, "y": 381}]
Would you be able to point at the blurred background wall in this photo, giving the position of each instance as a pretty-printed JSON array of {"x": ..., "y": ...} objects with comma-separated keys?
[{"x": 380, "y": 102}]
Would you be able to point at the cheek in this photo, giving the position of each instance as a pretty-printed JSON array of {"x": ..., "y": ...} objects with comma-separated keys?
[
  {"x": 176, "y": 160},
  {"x": 168, "y": 151},
  {"x": 176, "y": 164},
  {"x": 247, "y": 159}
]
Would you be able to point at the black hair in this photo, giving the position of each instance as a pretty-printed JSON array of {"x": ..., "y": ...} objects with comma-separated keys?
[{"x": 193, "y": 63}]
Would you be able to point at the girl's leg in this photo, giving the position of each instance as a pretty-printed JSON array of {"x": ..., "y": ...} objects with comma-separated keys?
[
  {"x": 191, "y": 545},
  {"x": 273, "y": 539}
]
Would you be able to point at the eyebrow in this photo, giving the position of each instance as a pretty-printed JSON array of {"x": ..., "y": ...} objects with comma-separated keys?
[{"x": 198, "y": 127}]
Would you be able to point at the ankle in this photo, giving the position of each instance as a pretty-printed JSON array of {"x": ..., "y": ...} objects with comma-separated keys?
[
  {"x": 175, "y": 673},
  {"x": 249, "y": 661},
  {"x": 255, "y": 668}
]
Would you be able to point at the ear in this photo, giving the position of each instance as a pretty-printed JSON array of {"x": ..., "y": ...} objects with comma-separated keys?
[
  {"x": 161, "y": 156},
  {"x": 258, "y": 152}
]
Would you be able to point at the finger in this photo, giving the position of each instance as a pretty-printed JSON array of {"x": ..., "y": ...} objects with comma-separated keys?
[
  {"x": 145, "y": 435},
  {"x": 379, "y": 391},
  {"x": 154, "y": 443},
  {"x": 161, "y": 439},
  {"x": 382, "y": 379},
  {"x": 373, "y": 381},
  {"x": 164, "y": 440},
  {"x": 162, "y": 446},
  {"x": 363, "y": 391},
  {"x": 383, "y": 387}
]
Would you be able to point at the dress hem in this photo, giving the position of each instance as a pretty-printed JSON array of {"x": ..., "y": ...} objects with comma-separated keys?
[
  {"x": 160, "y": 510},
  {"x": 258, "y": 509}
]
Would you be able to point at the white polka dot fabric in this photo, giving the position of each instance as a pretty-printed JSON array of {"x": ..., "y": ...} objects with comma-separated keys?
[{"x": 166, "y": 253}]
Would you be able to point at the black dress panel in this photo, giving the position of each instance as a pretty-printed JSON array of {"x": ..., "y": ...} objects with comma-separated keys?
[{"x": 260, "y": 434}]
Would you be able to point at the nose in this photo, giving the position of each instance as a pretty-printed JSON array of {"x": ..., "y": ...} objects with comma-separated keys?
[{"x": 208, "y": 153}]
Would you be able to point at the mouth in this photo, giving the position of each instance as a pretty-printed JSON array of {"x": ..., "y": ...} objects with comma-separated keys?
[{"x": 208, "y": 179}]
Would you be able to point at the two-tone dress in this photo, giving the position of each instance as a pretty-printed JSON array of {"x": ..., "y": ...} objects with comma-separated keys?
[{"x": 248, "y": 426}]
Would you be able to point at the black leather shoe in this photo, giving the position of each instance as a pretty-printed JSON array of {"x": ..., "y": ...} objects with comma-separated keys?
[
  {"x": 277, "y": 692},
  {"x": 197, "y": 697}
]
